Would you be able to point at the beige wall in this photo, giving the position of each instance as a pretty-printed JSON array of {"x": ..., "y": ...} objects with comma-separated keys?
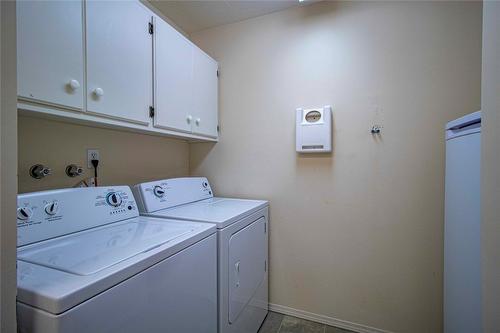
[
  {"x": 126, "y": 158},
  {"x": 356, "y": 235},
  {"x": 490, "y": 194},
  {"x": 8, "y": 166}
]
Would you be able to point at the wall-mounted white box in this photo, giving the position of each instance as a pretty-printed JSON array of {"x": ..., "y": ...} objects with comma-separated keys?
[{"x": 314, "y": 130}]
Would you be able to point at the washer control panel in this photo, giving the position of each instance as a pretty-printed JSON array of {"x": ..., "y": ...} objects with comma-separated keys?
[
  {"x": 162, "y": 194},
  {"x": 114, "y": 199},
  {"x": 52, "y": 208},
  {"x": 159, "y": 191},
  {"x": 48, "y": 214}
]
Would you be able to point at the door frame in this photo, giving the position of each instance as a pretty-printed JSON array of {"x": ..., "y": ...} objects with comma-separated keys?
[{"x": 8, "y": 166}]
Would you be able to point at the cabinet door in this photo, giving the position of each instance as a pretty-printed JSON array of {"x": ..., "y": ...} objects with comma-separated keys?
[
  {"x": 173, "y": 78},
  {"x": 205, "y": 94},
  {"x": 119, "y": 60},
  {"x": 50, "y": 52}
]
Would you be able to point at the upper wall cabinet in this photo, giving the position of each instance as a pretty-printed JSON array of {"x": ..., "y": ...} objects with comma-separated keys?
[
  {"x": 173, "y": 79},
  {"x": 205, "y": 92},
  {"x": 114, "y": 64},
  {"x": 119, "y": 60},
  {"x": 50, "y": 52},
  {"x": 185, "y": 84}
]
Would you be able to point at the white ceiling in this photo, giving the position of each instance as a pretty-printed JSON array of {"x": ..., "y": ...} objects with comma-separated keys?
[{"x": 193, "y": 16}]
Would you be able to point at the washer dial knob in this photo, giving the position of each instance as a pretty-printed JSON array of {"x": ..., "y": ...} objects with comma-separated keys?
[
  {"x": 114, "y": 199},
  {"x": 24, "y": 213},
  {"x": 52, "y": 208},
  {"x": 159, "y": 191}
]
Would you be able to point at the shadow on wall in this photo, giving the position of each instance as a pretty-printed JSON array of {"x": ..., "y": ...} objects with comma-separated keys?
[
  {"x": 312, "y": 13},
  {"x": 203, "y": 149}
]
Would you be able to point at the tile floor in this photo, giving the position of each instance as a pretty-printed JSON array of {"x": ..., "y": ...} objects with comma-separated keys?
[{"x": 278, "y": 323}]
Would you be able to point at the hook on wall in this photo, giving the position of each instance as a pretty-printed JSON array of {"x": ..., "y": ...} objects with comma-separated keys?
[{"x": 376, "y": 129}]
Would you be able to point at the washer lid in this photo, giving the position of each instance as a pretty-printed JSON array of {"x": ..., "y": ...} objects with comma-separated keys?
[
  {"x": 58, "y": 274},
  {"x": 221, "y": 211},
  {"x": 92, "y": 251}
]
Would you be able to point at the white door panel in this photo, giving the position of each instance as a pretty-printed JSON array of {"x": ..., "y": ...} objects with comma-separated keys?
[
  {"x": 50, "y": 52},
  {"x": 247, "y": 265},
  {"x": 205, "y": 97},
  {"x": 174, "y": 78},
  {"x": 119, "y": 60}
]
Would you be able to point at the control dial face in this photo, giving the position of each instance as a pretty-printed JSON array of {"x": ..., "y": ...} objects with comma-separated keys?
[
  {"x": 159, "y": 191},
  {"x": 114, "y": 199},
  {"x": 24, "y": 213},
  {"x": 52, "y": 208}
]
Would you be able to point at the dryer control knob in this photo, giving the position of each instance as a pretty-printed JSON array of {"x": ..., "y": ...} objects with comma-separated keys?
[
  {"x": 159, "y": 191},
  {"x": 114, "y": 199},
  {"x": 52, "y": 208},
  {"x": 24, "y": 213}
]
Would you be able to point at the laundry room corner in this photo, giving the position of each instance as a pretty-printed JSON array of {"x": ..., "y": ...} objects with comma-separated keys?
[{"x": 263, "y": 166}]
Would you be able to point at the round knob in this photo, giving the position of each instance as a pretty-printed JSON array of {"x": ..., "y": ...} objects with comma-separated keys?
[
  {"x": 189, "y": 119},
  {"x": 98, "y": 92},
  {"x": 74, "y": 84},
  {"x": 197, "y": 121},
  {"x": 159, "y": 191},
  {"x": 52, "y": 208},
  {"x": 114, "y": 199},
  {"x": 24, "y": 213}
]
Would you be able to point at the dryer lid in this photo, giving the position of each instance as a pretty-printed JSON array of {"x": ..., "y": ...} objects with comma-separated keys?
[
  {"x": 220, "y": 211},
  {"x": 89, "y": 252}
]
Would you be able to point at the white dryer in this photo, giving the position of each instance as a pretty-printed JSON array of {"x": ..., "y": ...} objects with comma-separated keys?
[
  {"x": 87, "y": 262},
  {"x": 242, "y": 235}
]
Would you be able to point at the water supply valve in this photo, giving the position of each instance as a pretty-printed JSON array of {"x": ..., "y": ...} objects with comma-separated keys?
[
  {"x": 39, "y": 171},
  {"x": 74, "y": 170}
]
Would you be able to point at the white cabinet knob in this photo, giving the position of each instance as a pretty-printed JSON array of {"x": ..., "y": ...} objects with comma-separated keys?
[
  {"x": 74, "y": 84},
  {"x": 189, "y": 119},
  {"x": 98, "y": 92},
  {"x": 197, "y": 121}
]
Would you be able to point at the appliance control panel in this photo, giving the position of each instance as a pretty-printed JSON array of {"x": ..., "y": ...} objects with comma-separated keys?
[
  {"x": 48, "y": 214},
  {"x": 162, "y": 194}
]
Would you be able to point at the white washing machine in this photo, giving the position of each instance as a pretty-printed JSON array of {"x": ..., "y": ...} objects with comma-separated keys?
[
  {"x": 87, "y": 262},
  {"x": 242, "y": 243}
]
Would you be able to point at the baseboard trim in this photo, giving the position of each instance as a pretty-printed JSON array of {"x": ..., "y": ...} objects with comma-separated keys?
[{"x": 325, "y": 319}]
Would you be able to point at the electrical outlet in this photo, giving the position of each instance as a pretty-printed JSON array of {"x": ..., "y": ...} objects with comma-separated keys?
[{"x": 92, "y": 154}]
